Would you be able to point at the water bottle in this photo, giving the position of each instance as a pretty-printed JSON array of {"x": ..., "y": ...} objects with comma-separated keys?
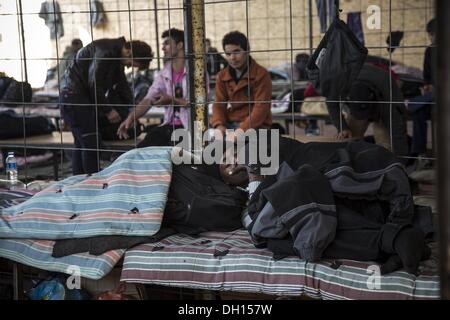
[{"x": 11, "y": 168}]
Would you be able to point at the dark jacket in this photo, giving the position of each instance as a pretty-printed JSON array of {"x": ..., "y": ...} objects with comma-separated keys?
[
  {"x": 96, "y": 70},
  {"x": 378, "y": 80},
  {"x": 429, "y": 66},
  {"x": 298, "y": 204}
]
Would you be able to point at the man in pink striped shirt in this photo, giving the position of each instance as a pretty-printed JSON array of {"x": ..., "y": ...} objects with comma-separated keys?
[{"x": 169, "y": 90}]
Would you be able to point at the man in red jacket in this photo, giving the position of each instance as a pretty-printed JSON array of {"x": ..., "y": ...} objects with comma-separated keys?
[{"x": 243, "y": 89}]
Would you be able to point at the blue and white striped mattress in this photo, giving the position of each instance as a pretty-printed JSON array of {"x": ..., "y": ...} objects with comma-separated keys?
[
  {"x": 127, "y": 198},
  {"x": 83, "y": 206},
  {"x": 38, "y": 253}
]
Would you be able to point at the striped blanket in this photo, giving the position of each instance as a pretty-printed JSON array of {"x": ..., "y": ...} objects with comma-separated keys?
[
  {"x": 38, "y": 254},
  {"x": 229, "y": 261},
  {"x": 127, "y": 198}
]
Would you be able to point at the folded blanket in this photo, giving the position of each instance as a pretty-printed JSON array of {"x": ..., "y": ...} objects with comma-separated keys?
[{"x": 125, "y": 199}]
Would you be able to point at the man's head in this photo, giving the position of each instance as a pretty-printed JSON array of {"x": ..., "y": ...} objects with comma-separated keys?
[
  {"x": 301, "y": 60},
  {"x": 137, "y": 54},
  {"x": 431, "y": 30},
  {"x": 173, "y": 43},
  {"x": 236, "y": 47},
  {"x": 76, "y": 45},
  {"x": 359, "y": 100},
  {"x": 207, "y": 44}
]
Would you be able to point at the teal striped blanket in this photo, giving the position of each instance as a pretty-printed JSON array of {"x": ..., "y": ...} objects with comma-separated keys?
[{"x": 127, "y": 198}]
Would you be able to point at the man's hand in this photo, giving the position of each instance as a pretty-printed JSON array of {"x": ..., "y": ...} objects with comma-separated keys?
[
  {"x": 124, "y": 126},
  {"x": 163, "y": 99},
  {"x": 427, "y": 88},
  {"x": 113, "y": 116},
  {"x": 222, "y": 129},
  {"x": 344, "y": 134}
]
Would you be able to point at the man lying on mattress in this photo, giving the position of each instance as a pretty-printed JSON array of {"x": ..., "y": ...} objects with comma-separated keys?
[{"x": 347, "y": 200}]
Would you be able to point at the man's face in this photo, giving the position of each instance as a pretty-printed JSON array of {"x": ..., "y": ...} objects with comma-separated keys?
[
  {"x": 232, "y": 172},
  {"x": 170, "y": 48},
  {"x": 236, "y": 56},
  {"x": 432, "y": 37},
  {"x": 127, "y": 61}
]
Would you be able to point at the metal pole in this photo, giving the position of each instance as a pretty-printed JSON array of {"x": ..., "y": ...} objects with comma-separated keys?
[
  {"x": 155, "y": 4},
  {"x": 443, "y": 136},
  {"x": 22, "y": 33},
  {"x": 194, "y": 23},
  {"x": 310, "y": 28}
]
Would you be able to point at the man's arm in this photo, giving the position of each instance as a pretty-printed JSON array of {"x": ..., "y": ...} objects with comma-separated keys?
[
  {"x": 336, "y": 117},
  {"x": 261, "y": 108},
  {"x": 142, "y": 108}
]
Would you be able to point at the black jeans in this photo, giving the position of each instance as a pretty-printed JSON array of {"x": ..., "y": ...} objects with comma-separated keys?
[
  {"x": 159, "y": 136},
  {"x": 420, "y": 114},
  {"x": 362, "y": 236},
  {"x": 79, "y": 113}
]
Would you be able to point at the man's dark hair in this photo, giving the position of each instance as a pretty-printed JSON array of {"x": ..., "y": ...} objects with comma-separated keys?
[
  {"x": 77, "y": 44},
  {"x": 301, "y": 57},
  {"x": 175, "y": 34},
  {"x": 237, "y": 38},
  {"x": 431, "y": 26},
  {"x": 142, "y": 52}
]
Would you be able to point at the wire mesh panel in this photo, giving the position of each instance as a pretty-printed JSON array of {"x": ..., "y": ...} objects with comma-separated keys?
[{"x": 37, "y": 46}]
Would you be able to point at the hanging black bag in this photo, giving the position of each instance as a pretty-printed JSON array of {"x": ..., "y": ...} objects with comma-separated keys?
[{"x": 337, "y": 61}]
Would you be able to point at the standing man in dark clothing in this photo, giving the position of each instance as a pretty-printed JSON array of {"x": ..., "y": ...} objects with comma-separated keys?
[
  {"x": 369, "y": 102},
  {"x": 420, "y": 107},
  {"x": 97, "y": 70}
]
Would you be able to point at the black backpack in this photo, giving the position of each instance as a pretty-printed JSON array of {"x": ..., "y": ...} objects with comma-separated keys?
[
  {"x": 199, "y": 201},
  {"x": 11, "y": 125},
  {"x": 12, "y": 92}
]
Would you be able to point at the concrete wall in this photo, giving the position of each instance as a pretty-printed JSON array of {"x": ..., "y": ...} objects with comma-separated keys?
[{"x": 267, "y": 23}]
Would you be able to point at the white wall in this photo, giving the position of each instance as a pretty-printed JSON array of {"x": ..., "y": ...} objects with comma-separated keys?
[{"x": 37, "y": 42}]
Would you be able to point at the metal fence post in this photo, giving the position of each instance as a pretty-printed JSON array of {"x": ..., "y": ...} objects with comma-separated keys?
[
  {"x": 195, "y": 52},
  {"x": 443, "y": 138}
]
